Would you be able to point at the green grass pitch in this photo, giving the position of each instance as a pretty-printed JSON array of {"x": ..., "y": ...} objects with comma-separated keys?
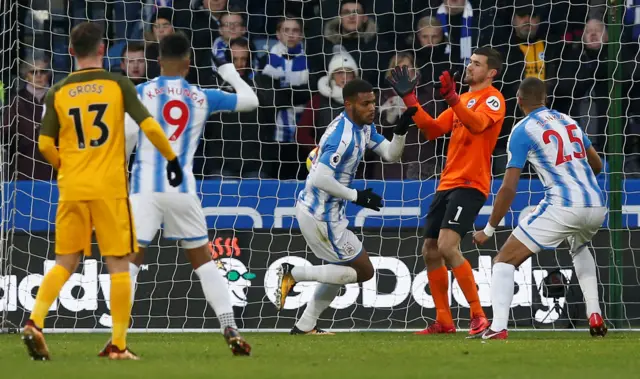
[{"x": 540, "y": 355}]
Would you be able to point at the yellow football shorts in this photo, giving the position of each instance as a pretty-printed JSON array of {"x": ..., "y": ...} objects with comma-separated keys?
[{"x": 111, "y": 218}]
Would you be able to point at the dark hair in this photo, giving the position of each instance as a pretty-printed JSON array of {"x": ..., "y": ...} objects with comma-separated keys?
[
  {"x": 133, "y": 47},
  {"x": 241, "y": 41},
  {"x": 165, "y": 13},
  {"x": 494, "y": 58},
  {"x": 532, "y": 91},
  {"x": 281, "y": 21},
  {"x": 175, "y": 45},
  {"x": 356, "y": 86},
  {"x": 85, "y": 38},
  {"x": 234, "y": 13},
  {"x": 357, "y": 2}
]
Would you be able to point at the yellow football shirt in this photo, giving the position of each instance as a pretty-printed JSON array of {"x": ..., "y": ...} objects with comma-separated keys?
[{"x": 85, "y": 114}]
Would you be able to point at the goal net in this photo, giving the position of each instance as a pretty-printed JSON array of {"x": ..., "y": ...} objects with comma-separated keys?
[{"x": 251, "y": 166}]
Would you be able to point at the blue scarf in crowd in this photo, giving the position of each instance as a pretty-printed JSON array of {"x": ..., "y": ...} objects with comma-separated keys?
[
  {"x": 289, "y": 66},
  {"x": 632, "y": 17},
  {"x": 465, "y": 35}
]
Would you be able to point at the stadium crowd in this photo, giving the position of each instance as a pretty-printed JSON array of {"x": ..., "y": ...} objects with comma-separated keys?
[{"x": 298, "y": 55}]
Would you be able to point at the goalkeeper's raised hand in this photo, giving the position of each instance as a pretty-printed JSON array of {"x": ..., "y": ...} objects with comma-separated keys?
[
  {"x": 447, "y": 86},
  {"x": 174, "y": 172},
  {"x": 405, "y": 121},
  {"x": 369, "y": 199},
  {"x": 401, "y": 82}
]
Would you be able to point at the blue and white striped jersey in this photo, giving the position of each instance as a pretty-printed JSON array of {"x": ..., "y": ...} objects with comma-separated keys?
[
  {"x": 556, "y": 147},
  {"x": 182, "y": 110},
  {"x": 341, "y": 148}
]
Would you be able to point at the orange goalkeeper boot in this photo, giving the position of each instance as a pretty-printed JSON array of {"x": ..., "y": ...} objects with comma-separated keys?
[
  {"x": 477, "y": 326},
  {"x": 597, "y": 326},
  {"x": 33, "y": 339}
]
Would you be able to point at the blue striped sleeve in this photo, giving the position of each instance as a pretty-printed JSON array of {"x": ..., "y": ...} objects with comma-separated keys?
[
  {"x": 518, "y": 147},
  {"x": 586, "y": 141},
  {"x": 220, "y": 101},
  {"x": 376, "y": 138},
  {"x": 333, "y": 149}
]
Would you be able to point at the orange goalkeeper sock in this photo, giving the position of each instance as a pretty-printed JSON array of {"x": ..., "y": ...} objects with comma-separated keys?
[
  {"x": 120, "y": 308},
  {"x": 439, "y": 285},
  {"x": 464, "y": 275},
  {"x": 47, "y": 293}
]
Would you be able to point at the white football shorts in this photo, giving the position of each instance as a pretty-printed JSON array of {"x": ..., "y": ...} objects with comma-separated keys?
[
  {"x": 548, "y": 225},
  {"x": 330, "y": 241},
  {"x": 180, "y": 213}
]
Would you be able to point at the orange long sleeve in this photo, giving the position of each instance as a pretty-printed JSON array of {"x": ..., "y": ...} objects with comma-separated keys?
[
  {"x": 475, "y": 122},
  {"x": 433, "y": 128}
]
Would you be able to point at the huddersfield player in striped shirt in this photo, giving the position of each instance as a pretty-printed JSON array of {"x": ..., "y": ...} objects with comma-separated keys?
[
  {"x": 573, "y": 207},
  {"x": 182, "y": 110}
]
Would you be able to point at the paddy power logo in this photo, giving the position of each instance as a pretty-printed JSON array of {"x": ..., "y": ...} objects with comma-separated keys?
[{"x": 233, "y": 271}]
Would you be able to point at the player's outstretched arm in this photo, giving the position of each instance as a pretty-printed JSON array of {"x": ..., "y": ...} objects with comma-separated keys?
[
  {"x": 49, "y": 130},
  {"x": 246, "y": 99},
  {"x": 392, "y": 151},
  {"x": 323, "y": 178},
  {"x": 404, "y": 86}
]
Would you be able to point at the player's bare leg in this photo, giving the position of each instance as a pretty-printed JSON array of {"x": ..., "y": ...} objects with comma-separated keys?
[
  {"x": 439, "y": 286},
  {"x": 211, "y": 281},
  {"x": 330, "y": 277},
  {"x": 449, "y": 247},
  {"x": 52, "y": 283},
  {"x": 511, "y": 256},
  {"x": 585, "y": 267}
]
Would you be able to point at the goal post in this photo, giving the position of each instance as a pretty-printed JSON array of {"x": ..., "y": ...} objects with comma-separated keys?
[
  {"x": 251, "y": 214},
  {"x": 615, "y": 152}
]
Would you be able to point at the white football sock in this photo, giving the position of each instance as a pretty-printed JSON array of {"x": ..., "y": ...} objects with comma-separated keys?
[
  {"x": 585, "y": 267},
  {"x": 501, "y": 294},
  {"x": 133, "y": 273},
  {"x": 330, "y": 274},
  {"x": 216, "y": 293},
  {"x": 322, "y": 298}
]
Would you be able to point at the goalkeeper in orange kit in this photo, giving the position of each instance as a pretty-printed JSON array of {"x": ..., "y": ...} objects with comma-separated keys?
[
  {"x": 474, "y": 120},
  {"x": 84, "y": 114}
]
